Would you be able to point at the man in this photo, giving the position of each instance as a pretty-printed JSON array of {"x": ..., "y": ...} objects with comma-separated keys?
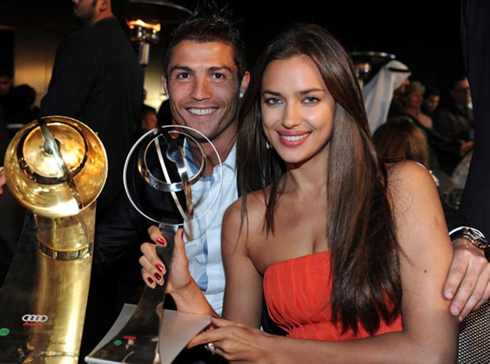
[
  {"x": 148, "y": 120},
  {"x": 97, "y": 79},
  {"x": 17, "y": 111},
  {"x": 475, "y": 31},
  {"x": 455, "y": 121},
  {"x": 432, "y": 96},
  {"x": 383, "y": 92},
  {"x": 204, "y": 76}
]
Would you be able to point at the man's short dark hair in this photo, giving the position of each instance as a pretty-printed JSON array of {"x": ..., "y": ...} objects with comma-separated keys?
[
  {"x": 6, "y": 72},
  {"x": 210, "y": 22},
  {"x": 431, "y": 90}
]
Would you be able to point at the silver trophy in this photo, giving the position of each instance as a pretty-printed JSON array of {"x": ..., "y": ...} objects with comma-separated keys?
[{"x": 159, "y": 172}]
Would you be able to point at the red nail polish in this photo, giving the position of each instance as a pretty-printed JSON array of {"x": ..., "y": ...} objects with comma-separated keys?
[
  {"x": 158, "y": 276},
  {"x": 161, "y": 241},
  {"x": 159, "y": 267},
  {"x": 150, "y": 280}
]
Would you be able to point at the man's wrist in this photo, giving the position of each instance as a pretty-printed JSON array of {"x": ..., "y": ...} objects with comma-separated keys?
[{"x": 472, "y": 235}]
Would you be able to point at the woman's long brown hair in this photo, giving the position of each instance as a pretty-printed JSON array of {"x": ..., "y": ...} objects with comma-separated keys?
[{"x": 366, "y": 284}]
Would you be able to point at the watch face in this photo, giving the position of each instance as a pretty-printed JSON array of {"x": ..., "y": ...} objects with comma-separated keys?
[{"x": 476, "y": 235}]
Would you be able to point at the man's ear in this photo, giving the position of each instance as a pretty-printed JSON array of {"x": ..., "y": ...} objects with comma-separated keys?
[
  {"x": 244, "y": 83},
  {"x": 104, "y": 5},
  {"x": 164, "y": 84}
]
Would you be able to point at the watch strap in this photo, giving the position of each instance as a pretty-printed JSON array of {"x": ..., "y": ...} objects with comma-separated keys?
[{"x": 475, "y": 236}]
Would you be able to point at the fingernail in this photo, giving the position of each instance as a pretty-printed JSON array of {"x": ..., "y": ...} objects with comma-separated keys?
[
  {"x": 161, "y": 241},
  {"x": 158, "y": 276},
  {"x": 150, "y": 280},
  {"x": 160, "y": 267}
]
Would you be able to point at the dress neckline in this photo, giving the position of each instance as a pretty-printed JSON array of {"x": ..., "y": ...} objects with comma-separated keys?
[{"x": 316, "y": 254}]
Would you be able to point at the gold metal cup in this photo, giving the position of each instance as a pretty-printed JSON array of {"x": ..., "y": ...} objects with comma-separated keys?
[{"x": 56, "y": 167}]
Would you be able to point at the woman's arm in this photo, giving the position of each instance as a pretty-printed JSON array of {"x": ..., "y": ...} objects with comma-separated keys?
[
  {"x": 430, "y": 333},
  {"x": 243, "y": 291}
]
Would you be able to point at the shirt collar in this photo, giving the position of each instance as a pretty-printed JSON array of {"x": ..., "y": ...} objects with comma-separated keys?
[{"x": 229, "y": 162}]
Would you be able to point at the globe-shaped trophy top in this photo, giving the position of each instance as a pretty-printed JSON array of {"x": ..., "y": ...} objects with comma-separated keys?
[
  {"x": 160, "y": 170},
  {"x": 55, "y": 166}
]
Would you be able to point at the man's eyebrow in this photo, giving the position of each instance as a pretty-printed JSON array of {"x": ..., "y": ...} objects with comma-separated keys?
[
  {"x": 214, "y": 69},
  {"x": 181, "y": 68},
  {"x": 209, "y": 70}
]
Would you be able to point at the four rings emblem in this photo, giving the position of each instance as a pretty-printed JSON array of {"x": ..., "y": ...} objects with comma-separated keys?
[{"x": 34, "y": 318}]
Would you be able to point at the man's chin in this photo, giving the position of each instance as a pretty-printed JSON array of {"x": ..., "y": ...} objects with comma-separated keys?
[{"x": 80, "y": 19}]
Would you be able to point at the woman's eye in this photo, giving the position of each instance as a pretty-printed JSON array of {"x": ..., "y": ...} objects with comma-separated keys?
[
  {"x": 272, "y": 101},
  {"x": 310, "y": 100}
]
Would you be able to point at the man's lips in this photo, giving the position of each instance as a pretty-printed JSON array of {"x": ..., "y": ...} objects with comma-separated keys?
[{"x": 201, "y": 111}]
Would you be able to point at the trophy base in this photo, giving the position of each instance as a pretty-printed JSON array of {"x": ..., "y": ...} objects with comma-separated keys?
[{"x": 176, "y": 330}]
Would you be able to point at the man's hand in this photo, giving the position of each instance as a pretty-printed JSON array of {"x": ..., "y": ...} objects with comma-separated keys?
[
  {"x": 467, "y": 284},
  {"x": 465, "y": 147}
]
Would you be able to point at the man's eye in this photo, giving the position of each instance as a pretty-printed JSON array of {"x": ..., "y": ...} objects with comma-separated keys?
[
  {"x": 183, "y": 75},
  {"x": 218, "y": 76}
]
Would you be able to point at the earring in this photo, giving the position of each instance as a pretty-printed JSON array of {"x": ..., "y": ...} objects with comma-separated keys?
[
  {"x": 241, "y": 95},
  {"x": 267, "y": 145}
]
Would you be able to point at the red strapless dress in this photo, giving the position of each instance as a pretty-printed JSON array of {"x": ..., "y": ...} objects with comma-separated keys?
[{"x": 297, "y": 294}]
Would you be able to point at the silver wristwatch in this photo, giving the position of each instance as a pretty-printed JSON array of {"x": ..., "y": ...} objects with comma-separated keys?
[{"x": 474, "y": 236}]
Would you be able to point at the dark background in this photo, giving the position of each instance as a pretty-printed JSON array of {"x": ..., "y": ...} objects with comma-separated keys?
[{"x": 424, "y": 36}]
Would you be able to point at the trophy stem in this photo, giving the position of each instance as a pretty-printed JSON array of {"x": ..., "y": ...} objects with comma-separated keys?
[
  {"x": 47, "y": 327},
  {"x": 138, "y": 338}
]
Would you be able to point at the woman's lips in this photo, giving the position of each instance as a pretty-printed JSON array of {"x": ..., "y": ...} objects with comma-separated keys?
[{"x": 293, "y": 139}]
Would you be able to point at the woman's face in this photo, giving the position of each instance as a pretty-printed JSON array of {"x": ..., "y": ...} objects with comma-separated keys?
[
  {"x": 297, "y": 109},
  {"x": 415, "y": 99}
]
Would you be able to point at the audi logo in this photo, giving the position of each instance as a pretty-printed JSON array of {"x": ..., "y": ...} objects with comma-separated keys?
[{"x": 34, "y": 318}]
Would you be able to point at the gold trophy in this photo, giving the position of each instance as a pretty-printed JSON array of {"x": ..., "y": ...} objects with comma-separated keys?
[{"x": 56, "y": 167}]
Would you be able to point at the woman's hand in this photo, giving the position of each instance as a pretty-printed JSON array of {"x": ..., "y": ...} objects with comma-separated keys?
[
  {"x": 2, "y": 180},
  {"x": 236, "y": 342},
  {"x": 153, "y": 268}
]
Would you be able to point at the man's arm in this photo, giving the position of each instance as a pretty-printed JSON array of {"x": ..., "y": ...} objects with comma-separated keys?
[
  {"x": 467, "y": 284},
  {"x": 468, "y": 281}
]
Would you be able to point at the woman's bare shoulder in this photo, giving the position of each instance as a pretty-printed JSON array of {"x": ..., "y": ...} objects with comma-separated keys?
[
  {"x": 410, "y": 185},
  {"x": 237, "y": 216},
  {"x": 408, "y": 174}
]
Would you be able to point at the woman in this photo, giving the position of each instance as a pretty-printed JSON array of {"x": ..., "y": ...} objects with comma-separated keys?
[
  {"x": 413, "y": 100},
  {"x": 399, "y": 138},
  {"x": 443, "y": 151},
  {"x": 330, "y": 238}
]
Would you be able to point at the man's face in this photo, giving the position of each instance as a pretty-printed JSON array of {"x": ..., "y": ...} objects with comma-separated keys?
[
  {"x": 149, "y": 122},
  {"x": 5, "y": 83},
  {"x": 203, "y": 88},
  {"x": 461, "y": 92},
  {"x": 84, "y": 11},
  {"x": 432, "y": 102}
]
